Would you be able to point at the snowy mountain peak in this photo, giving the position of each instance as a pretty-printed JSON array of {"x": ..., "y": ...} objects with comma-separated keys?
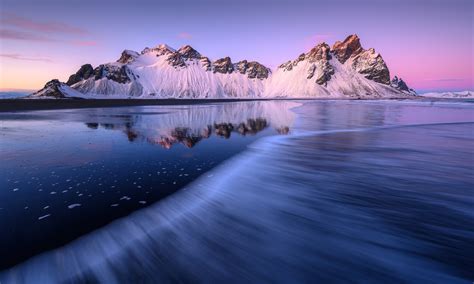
[
  {"x": 399, "y": 84},
  {"x": 349, "y": 47},
  {"x": 85, "y": 72},
  {"x": 54, "y": 89},
  {"x": 188, "y": 52},
  {"x": 346, "y": 70},
  {"x": 223, "y": 65},
  {"x": 128, "y": 56},
  {"x": 161, "y": 49}
]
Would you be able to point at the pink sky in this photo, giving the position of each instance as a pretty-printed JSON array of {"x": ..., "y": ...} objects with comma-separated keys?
[{"x": 428, "y": 43}]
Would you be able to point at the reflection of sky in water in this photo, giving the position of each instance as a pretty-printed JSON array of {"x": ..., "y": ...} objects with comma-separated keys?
[
  {"x": 66, "y": 172},
  {"x": 355, "y": 194}
]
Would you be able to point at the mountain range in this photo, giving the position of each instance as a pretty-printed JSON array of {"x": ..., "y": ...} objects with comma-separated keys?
[{"x": 345, "y": 70}]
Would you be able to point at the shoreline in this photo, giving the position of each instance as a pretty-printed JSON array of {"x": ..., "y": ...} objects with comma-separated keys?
[{"x": 12, "y": 105}]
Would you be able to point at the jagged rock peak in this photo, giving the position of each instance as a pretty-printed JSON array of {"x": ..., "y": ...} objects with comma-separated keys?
[
  {"x": 205, "y": 63},
  {"x": 253, "y": 69},
  {"x": 188, "y": 52},
  {"x": 119, "y": 74},
  {"x": 223, "y": 65},
  {"x": 127, "y": 56},
  {"x": 161, "y": 49},
  {"x": 51, "y": 89},
  {"x": 399, "y": 84},
  {"x": 371, "y": 64},
  {"x": 85, "y": 72},
  {"x": 349, "y": 47},
  {"x": 319, "y": 52}
]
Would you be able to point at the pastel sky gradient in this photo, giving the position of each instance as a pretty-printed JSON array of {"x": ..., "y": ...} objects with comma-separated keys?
[{"x": 429, "y": 43}]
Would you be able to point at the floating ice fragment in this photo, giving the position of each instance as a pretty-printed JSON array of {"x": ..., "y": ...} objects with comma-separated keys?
[
  {"x": 44, "y": 216},
  {"x": 16, "y": 189},
  {"x": 74, "y": 205}
]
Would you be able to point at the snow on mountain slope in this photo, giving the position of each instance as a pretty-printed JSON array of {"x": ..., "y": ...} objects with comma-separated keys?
[
  {"x": 450, "y": 95},
  {"x": 55, "y": 90},
  {"x": 344, "y": 71}
]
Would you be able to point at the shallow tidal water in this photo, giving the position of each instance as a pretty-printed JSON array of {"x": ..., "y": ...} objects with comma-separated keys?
[{"x": 355, "y": 191}]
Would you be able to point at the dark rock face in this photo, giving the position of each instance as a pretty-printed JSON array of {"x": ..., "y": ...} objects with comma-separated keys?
[
  {"x": 241, "y": 66},
  {"x": 349, "y": 47},
  {"x": 85, "y": 72},
  {"x": 206, "y": 63},
  {"x": 321, "y": 69},
  {"x": 114, "y": 73},
  {"x": 319, "y": 52},
  {"x": 399, "y": 84},
  {"x": 253, "y": 69},
  {"x": 160, "y": 50},
  {"x": 51, "y": 89},
  {"x": 223, "y": 65},
  {"x": 189, "y": 53},
  {"x": 287, "y": 66},
  {"x": 127, "y": 56},
  {"x": 257, "y": 70},
  {"x": 176, "y": 60},
  {"x": 366, "y": 62},
  {"x": 372, "y": 66}
]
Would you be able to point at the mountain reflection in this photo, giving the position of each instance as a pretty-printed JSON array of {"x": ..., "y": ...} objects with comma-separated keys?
[
  {"x": 190, "y": 137},
  {"x": 189, "y": 126}
]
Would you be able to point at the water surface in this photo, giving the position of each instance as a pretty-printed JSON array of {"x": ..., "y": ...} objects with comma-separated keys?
[
  {"x": 359, "y": 192},
  {"x": 67, "y": 172}
]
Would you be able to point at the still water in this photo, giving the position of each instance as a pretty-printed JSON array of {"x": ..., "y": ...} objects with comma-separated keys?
[{"x": 350, "y": 191}]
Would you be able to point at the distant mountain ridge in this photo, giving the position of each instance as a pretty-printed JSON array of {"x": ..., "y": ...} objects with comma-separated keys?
[
  {"x": 345, "y": 70},
  {"x": 450, "y": 95}
]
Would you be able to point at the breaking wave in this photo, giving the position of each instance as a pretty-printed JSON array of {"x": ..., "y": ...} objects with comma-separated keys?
[{"x": 368, "y": 204}]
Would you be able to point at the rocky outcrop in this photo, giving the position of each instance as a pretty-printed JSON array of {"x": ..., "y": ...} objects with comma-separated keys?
[
  {"x": 84, "y": 73},
  {"x": 366, "y": 62},
  {"x": 119, "y": 74},
  {"x": 347, "y": 48},
  {"x": 320, "y": 69},
  {"x": 205, "y": 63},
  {"x": 176, "y": 60},
  {"x": 189, "y": 53},
  {"x": 399, "y": 84},
  {"x": 52, "y": 89},
  {"x": 318, "y": 59},
  {"x": 253, "y": 69},
  {"x": 128, "y": 56},
  {"x": 223, "y": 65},
  {"x": 372, "y": 66},
  {"x": 162, "y": 49}
]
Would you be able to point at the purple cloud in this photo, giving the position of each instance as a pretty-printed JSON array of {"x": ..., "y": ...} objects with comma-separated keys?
[
  {"x": 47, "y": 27},
  {"x": 185, "y": 35},
  {"x": 15, "y": 56},
  {"x": 17, "y": 35},
  {"x": 84, "y": 43},
  {"x": 446, "y": 80}
]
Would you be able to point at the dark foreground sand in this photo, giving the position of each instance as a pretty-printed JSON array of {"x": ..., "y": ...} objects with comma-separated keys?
[{"x": 7, "y": 105}]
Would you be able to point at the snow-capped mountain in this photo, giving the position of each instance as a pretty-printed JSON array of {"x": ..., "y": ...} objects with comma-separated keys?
[
  {"x": 450, "y": 95},
  {"x": 344, "y": 71}
]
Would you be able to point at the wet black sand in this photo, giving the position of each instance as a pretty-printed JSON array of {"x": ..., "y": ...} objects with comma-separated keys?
[{"x": 45, "y": 104}]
